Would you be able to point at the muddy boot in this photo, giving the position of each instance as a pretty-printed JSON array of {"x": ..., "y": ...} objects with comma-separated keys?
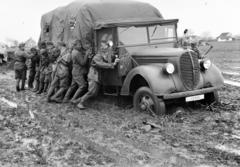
[
  {"x": 75, "y": 101},
  {"x": 17, "y": 88},
  {"x": 81, "y": 106},
  {"x": 67, "y": 96},
  {"x": 30, "y": 86},
  {"x": 50, "y": 93},
  {"x": 23, "y": 85},
  {"x": 65, "y": 100},
  {"x": 58, "y": 94},
  {"x": 36, "y": 87},
  {"x": 78, "y": 93},
  {"x": 30, "y": 83},
  {"x": 41, "y": 87},
  {"x": 57, "y": 100},
  {"x": 17, "y": 85},
  {"x": 45, "y": 87}
]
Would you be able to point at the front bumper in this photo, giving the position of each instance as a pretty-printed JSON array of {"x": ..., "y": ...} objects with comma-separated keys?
[{"x": 189, "y": 93}]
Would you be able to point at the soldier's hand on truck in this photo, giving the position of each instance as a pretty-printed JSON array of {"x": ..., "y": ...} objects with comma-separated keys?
[
  {"x": 89, "y": 53},
  {"x": 90, "y": 56},
  {"x": 116, "y": 61}
]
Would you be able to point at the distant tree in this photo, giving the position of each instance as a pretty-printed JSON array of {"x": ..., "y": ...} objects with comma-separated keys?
[{"x": 12, "y": 42}]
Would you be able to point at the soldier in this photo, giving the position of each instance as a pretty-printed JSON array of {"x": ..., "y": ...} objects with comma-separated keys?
[
  {"x": 43, "y": 69},
  {"x": 34, "y": 65},
  {"x": 186, "y": 40},
  {"x": 20, "y": 66},
  {"x": 42, "y": 48},
  {"x": 56, "y": 53},
  {"x": 49, "y": 69},
  {"x": 61, "y": 77},
  {"x": 100, "y": 60},
  {"x": 79, "y": 71}
]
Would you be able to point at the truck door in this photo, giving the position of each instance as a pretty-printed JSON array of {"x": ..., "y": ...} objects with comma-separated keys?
[{"x": 109, "y": 78}]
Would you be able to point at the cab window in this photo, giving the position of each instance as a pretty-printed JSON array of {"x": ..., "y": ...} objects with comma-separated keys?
[{"x": 132, "y": 35}]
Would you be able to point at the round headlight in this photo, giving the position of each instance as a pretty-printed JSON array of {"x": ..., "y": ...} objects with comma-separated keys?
[
  {"x": 169, "y": 68},
  {"x": 206, "y": 64}
]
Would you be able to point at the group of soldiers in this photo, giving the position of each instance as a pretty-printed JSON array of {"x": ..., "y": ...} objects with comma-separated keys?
[{"x": 63, "y": 74}]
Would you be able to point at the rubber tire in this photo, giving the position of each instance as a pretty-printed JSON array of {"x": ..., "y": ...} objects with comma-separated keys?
[{"x": 159, "y": 104}]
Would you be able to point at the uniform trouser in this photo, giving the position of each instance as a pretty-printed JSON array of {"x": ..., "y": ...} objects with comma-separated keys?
[
  {"x": 79, "y": 84},
  {"x": 93, "y": 88},
  {"x": 48, "y": 78},
  {"x": 31, "y": 76},
  {"x": 37, "y": 76},
  {"x": 42, "y": 77},
  {"x": 20, "y": 75}
]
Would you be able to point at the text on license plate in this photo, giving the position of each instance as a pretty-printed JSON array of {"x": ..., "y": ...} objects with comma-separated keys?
[{"x": 194, "y": 98}]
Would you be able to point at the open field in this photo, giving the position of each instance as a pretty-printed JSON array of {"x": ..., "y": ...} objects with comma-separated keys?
[
  {"x": 36, "y": 133},
  {"x": 226, "y": 55}
]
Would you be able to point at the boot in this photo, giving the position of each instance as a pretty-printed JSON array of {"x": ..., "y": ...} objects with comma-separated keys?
[
  {"x": 23, "y": 85},
  {"x": 81, "y": 106},
  {"x": 17, "y": 88},
  {"x": 41, "y": 87},
  {"x": 17, "y": 85},
  {"x": 68, "y": 94},
  {"x": 49, "y": 93},
  {"x": 75, "y": 101},
  {"x": 78, "y": 93},
  {"x": 57, "y": 100},
  {"x": 36, "y": 86},
  {"x": 45, "y": 87},
  {"x": 58, "y": 95},
  {"x": 30, "y": 85}
]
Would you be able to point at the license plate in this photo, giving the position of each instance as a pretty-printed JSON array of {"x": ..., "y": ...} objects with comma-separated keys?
[{"x": 194, "y": 98}]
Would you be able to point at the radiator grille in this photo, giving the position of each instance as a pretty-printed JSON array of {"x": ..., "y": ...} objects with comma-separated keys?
[{"x": 189, "y": 70}]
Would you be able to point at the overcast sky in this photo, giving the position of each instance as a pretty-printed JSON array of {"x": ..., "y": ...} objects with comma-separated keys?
[{"x": 20, "y": 19}]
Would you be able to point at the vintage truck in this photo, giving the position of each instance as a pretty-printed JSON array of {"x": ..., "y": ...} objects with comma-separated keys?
[{"x": 153, "y": 69}]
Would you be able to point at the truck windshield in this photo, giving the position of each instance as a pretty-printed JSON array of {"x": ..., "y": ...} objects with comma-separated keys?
[{"x": 143, "y": 35}]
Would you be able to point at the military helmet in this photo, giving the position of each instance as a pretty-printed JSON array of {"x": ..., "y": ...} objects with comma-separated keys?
[{"x": 21, "y": 45}]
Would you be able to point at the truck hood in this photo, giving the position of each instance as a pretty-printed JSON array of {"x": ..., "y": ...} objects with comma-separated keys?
[{"x": 156, "y": 55}]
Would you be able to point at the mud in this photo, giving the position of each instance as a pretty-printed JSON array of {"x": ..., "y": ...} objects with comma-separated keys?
[{"x": 37, "y": 133}]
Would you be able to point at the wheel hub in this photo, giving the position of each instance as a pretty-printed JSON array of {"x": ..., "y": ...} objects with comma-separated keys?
[{"x": 146, "y": 103}]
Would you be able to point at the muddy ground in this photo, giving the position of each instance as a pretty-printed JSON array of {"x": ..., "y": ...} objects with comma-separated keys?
[{"x": 37, "y": 133}]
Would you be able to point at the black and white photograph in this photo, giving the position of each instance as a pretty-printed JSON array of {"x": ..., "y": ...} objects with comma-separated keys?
[{"x": 119, "y": 83}]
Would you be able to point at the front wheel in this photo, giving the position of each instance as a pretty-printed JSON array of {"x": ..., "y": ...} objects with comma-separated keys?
[{"x": 145, "y": 101}]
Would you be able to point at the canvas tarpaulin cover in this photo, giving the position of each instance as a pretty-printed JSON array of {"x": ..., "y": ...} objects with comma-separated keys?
[{"x": 77, "y": 20}]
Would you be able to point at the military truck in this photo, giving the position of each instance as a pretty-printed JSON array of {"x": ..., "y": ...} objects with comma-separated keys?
[{"x": 153, "y": 69}]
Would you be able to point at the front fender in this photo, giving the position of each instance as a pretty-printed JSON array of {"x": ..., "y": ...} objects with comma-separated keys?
[
  {"x": 213, "y": 76},
  {"x": 157, "y": 80},
  {"x": 209, "y": 78}
]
